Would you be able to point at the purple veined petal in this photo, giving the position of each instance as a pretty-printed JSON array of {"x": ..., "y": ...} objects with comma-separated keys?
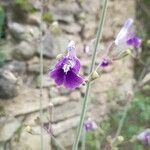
[
  {"x": 72, "y": 80},
  {"x": 122, "y": 35},
  {"x": 77, "y": 66},
  {"x": 58, "y": 75},
  {"x": 60, "y": 63}
]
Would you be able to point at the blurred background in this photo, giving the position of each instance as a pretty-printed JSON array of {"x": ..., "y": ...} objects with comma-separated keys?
[{"x": 125, "y": 81}]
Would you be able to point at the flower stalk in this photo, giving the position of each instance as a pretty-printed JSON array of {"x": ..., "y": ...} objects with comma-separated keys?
[
  {"x": 41, "y": 80},
  {"x": 86, "y": 98}
]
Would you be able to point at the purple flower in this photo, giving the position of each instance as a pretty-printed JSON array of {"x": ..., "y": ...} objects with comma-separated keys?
[
  {"x": 90, "y": 125},
  {"x": 124, "y": 37},
  {"x": 105, "y": 61},
  {"x": 144, "y": 136},
  {"x": 47, "y": 128},
  {"x": 66, "y": 70}
]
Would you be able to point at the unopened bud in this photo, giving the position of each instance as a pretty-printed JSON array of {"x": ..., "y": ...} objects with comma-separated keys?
[
  {"x": 59, "y": 56},
  {"x": 94, "y": 75},
  {"x": 120, "y": 139},
  {"x": 148, "y": 43},
  {"x": 28, "y": 129},
  {"x": 51, "y": 104},
  {"x": 55, "y": 28}
]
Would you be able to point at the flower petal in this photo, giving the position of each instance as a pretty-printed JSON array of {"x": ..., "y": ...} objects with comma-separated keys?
[
  {"x": 77, "y": 65},
  {"x": 60, "y": 63},
  {"x": 128, "y": 23},
  {"x": 72, "y": 80},
  {"x": 71, "y": 49},
  {"x": 58, "y": 75},
  {"x": 122, "y": 35},
  {"x": 133, "y": 40}
]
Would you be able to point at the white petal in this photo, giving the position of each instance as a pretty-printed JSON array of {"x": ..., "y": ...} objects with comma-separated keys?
[{"x": 122, "y": 35}]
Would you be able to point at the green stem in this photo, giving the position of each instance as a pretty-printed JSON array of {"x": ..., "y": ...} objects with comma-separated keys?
[
  {"x": 86, "y": 98},
  {"x": 83, "y": 140},
  {"x": 41, "y": 79},
  {"x": 121, "y": 123}
]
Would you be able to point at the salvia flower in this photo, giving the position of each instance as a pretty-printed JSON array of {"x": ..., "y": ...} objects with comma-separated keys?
[
  {"x": 90, "y": 125},
  {"x": 67, "y": 68},
  {"x": 125, "y": 37},
  {"x": 144, "y": 136}
]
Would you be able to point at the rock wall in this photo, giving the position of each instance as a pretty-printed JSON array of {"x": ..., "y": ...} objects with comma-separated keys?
[{"x": 64, "y": 20}]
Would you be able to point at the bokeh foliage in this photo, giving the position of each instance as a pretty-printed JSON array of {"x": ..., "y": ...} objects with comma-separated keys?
[{"x": 136, "y": 121}]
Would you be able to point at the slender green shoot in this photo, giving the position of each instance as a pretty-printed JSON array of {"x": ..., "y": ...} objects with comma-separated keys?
[{"x": 86, "y": 98}]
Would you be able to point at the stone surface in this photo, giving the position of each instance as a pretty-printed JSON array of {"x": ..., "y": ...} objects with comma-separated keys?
[
  {"x": 64, "y": 126},
  {"x": 53, "y": 45},
  {"x": 33, "y": 65},
  {"x": 34, "y": 19},
  {"x": 24, "y": 32},
  {"x": 24, "y": 51},
  {"x": 75, "y": 95},
  {"x": 69, "y": 110},
  {"x": 8, "y": 128},
  {"x": 8, "y": 84},
  {"x": 71, "y": 29},
  {"x": 24, "y": 103},
  {"x": 59, "y": 100},
  {"x": 16, "y": 67},
  {"x": 28, "y": 141},
  {"x": 53, "y": 92},
  {"x": 47, "y": 81},
  {"x": 66, "y": 9},
  {"x": 65, "y": 139}
]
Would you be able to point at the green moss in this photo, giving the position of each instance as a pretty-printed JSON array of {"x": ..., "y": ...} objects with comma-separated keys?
[
  {"x": 25, "y": 5},
  {"x": 47, "y": 17}
]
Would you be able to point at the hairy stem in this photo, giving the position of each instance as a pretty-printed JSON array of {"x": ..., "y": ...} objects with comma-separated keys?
[{"x": 86, "y": 98}]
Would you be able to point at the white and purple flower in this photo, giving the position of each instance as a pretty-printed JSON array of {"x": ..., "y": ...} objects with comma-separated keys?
[
  {"x": 90, "y": 125},
  {"x": 144, "y": 136},
  {"x": 66, "y": 70},
  {"x": 125, "y": 37}
]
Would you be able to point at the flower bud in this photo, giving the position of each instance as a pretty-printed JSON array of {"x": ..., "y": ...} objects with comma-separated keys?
[
  {"x": 28, "y": 129},
  {"x": 120, "y": 139},
  {"x": 59, "y": 56},
  {"x": 94, "y": 75}
]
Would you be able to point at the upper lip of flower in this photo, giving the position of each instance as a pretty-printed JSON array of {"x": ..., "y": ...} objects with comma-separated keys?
[{"x": 122, "y": 35}]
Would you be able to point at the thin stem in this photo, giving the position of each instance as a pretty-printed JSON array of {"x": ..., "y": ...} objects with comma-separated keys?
[
  {"x": 83, "y": 140},
  {"x": 59, "y": 145},
  {"x": 41, "y": 77},
  {"x": 86, "y": 98},
  {"x": 121, "y": 123}
]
